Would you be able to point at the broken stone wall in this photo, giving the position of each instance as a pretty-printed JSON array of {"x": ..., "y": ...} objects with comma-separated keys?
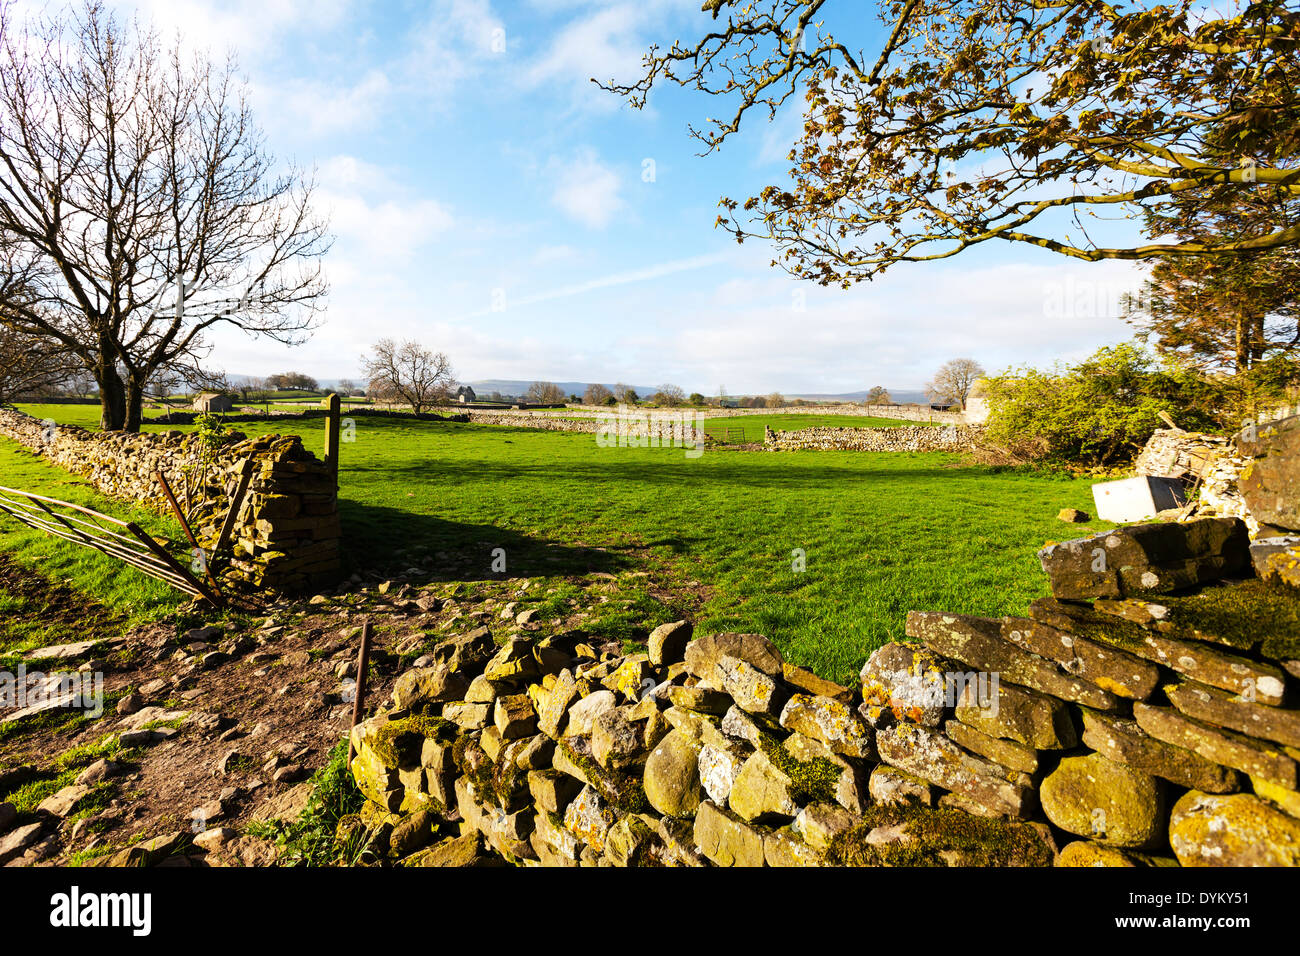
[
  {"x": 1145, "y": 713},
  {"x": 287, "y": 534},
  {"x": 897, "y": 438}
]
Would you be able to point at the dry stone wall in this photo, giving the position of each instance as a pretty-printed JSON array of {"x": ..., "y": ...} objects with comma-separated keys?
[
  {"x": 287, "y": 534},
  {"x": 1144, "y": 714},
  {"x": 898, "y": 438}
]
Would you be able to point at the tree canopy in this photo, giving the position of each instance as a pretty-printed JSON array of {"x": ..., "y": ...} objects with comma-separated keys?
[{"x": 1025, "y": 121}]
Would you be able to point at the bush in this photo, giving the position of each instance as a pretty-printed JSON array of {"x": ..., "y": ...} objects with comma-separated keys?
[{"x": 1099, "y": 412}]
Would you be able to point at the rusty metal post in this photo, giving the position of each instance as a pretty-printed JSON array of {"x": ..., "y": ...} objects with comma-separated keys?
[
  {"x": 358, "y": 704},
  {"x": 185, "y": 526}
]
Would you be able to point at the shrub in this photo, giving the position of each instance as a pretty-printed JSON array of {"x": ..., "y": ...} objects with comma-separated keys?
[{"x": 1099, "y": 412}]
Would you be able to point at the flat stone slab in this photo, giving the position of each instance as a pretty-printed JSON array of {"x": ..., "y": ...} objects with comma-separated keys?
[
  {"x": 62, "y": 651},
  {"x": 1147, "y": 559},
  {"x": 978, "y": 643},
  {"x": 1123, "y": 741},
  {"x": 1121, "y": 673},
  {"x": 1226, "y": 710},
  {"x": 933, "y": 757},
  {"x": 1224, "y": 747},
  {"x": 1196, "y": 660}
]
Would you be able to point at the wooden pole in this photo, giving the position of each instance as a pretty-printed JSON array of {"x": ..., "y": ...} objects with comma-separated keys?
[
  {"x": 358, "y": 704},
  {"x": 332, "y": 418}
]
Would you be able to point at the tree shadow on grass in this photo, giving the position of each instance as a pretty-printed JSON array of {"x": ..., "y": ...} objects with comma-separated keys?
[{"x": 376, "y": 537}]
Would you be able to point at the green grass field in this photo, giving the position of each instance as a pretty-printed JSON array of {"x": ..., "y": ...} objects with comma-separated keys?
[{"x": 881, "y": 534}]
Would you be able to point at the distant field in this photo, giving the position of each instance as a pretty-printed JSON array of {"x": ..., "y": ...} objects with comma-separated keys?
[{"x": 882, "y": 533}]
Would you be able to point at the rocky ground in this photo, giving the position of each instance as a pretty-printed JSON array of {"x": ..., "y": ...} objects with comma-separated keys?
[{"x": 210, "y": 729}]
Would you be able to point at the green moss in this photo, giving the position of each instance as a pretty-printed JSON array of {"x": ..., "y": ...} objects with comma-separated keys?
[
  {"x": 396, "y": 742},
  {"x": 976, "y": 841},
  {"x": 1080, "y": 620},
  {"x": 1239, "y": 615},
  {"x": 811, "y": 780},
  {"x": 622, "y": 791}
]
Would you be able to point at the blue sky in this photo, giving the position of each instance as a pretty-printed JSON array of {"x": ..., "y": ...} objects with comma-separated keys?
[{"x": 490, "y": 201}]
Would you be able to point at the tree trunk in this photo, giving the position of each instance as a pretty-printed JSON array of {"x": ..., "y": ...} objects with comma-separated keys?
[
  {"x": 1242, "y": 341},
  {"x": 112, "y": 395},
  {"x": 134, "y": 404}
]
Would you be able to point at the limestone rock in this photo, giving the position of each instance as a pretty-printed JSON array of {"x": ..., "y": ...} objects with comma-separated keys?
[
  {"x": 889, "y": 785},
  {"x": 703, "y": 700},
  {"x": 1257, "y": 758},
  {"x": 583, "y": 714},
  {"x": 1034, "y": 720},
  {"x": 1123, "y": 674},
  {"x": 430, "y": 685},
  {"x": 1232, "y": 830},
  {"x": 1200, "y": 662},
  {"x": 908, "y": 681},
  {"x": 1007, "y": 753},
  {"x": 589, "y": 819},
  {"x": 1270, "y": 483},
  {"x": 514, "y": 717},
  {"x": 1086, "y": 853},
  {"x": 617, "y": 738},
  {"x": 1154, "y": 558},
  {"x": 819, "y": 823},
  {"x": 935, "y": 758},
  {"x": 782, "y": 848},
  {"x": 704, "y": 654},
  {"x": 719, "y": 767},
  {"x": 1104, "y": 800},
  {"x": 978, "y": 643},
  {"x": 672, "y": 783},
  {"x": 1123, "y": 741},
  {"x": 667, "y": 643},
  {"x": 753, "y": 690},
  {"x": 762, "y": 792},
  {"x": 465, "y": 651},
  {"x": 830, "y": 721},
  {"x": 553, "y": 715},
  {"x": 727, "y": 840},
  {"x": 809, "y": 683},
  {"x": 1226, "y": 710},
  {"x": 552, "y": 790}
]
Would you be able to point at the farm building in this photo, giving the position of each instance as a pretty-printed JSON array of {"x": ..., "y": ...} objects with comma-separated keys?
[
  {"x": 213, "y": 402},
  {"x": 466, "y": 394}
]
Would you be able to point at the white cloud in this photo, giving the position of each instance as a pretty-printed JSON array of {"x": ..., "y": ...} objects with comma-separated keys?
[
  {"x": 587, "y": 190},
  {"x": 327, "y": 109}
]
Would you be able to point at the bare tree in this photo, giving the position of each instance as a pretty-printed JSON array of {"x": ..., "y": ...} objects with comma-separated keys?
[
  {"x": 138, "y": 206},
  {"x": 29, "y": 367},
  {"x": 544, "y": 393},
  {"x": 625, "y": 394},
  {"x": 878, "y": 395},
  {"x": 776, "y": 400},
  {"x": 408, "y": 372},
  {"x": 670, "y": 395},
  {"x": 953, "y": 382},
  {"x": 596, "y": 395}
]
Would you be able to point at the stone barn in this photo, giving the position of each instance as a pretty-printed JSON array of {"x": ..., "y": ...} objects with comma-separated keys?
[
  {"x": 213, "y": 402},
  {"x": 465, "y": 394}
]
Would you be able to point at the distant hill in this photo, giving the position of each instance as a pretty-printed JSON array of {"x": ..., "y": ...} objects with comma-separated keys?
[
  {"x": 507, "y": 386},
  {"x": 901, "y": 397}
]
